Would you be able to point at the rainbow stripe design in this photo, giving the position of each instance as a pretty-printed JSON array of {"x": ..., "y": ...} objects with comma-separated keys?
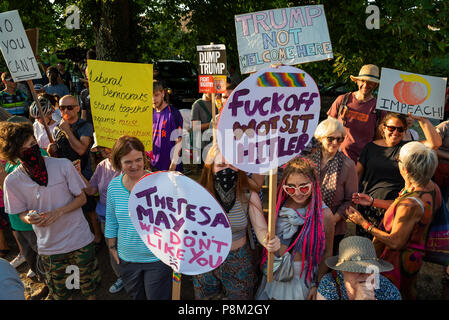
[
  {"x": 176, "y": 277},
  {"x": 281, "y": 79}
]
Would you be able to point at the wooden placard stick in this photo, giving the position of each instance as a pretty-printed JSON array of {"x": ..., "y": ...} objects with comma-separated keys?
[
  {"x": 272, "y": 185},
  {"x": 41, "y": 115},
  {"x": 213, "y": 112},
  {"x": 176, "y": 287},
  {"x": 213, "y": 118}
]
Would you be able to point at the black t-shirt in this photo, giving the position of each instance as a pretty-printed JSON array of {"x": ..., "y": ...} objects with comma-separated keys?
[
  {"x": 381, "y": 178},
  {"x": 85, "y": 104}
]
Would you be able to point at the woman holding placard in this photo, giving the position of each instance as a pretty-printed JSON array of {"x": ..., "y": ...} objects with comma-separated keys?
[
  {"x": 305, "y": 226},
  {"x": 337, "y": 173},
  {"x": 235, "y": 277},
  {"x": 144, "y": 275}
]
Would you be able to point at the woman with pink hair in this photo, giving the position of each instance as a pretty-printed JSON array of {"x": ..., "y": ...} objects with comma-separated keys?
[{"x": 305, "y": 226}]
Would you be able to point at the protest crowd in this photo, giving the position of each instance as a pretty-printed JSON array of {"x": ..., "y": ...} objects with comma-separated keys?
[{"x": 360, "y": 198}]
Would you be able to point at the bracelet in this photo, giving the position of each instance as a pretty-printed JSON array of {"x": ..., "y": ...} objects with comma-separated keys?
[
  {"x": 372, "y": 202},
  {"x": 370, "y": 228}
]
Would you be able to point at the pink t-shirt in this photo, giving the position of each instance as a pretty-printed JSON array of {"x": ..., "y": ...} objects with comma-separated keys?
[
  {"x": 69, "y": 232},
  {"x": 103, "y": 174},
  {"x": 360, "y": 124}
]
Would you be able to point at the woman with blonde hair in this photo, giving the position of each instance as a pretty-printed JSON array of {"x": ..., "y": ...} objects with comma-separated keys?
[{"x": 236, "y": 276}]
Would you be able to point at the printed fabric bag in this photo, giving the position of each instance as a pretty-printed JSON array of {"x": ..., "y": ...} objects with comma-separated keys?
[{"x": 437, "y": 244}]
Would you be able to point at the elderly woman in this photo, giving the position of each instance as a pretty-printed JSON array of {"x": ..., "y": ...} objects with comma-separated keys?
[
  {"x": 356, "y": 274},
  {"x": 48, "y": 194},
  {"x": 337, "y": 173},
  {"x": 236, "y": 277},
  {"x": 401, "y": 238},
  {"x": 377, "y": 167},
  {"x": 144, "y": 276}
]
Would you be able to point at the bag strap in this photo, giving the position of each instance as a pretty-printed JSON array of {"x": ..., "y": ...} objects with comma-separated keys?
[{"x": 342, "y": 105}]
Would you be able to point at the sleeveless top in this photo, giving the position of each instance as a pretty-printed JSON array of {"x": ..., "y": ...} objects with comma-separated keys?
[{"x": 238, "y": 218}]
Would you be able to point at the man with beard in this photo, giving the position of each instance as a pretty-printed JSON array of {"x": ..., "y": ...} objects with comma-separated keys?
[
  {"x": 357, "y": 112},
  {"x": 167, "y": 132},
  {"x": 53, "y": 87}
]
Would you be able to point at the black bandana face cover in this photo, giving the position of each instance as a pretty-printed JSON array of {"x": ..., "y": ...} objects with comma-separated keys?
[
  {"x": 34, "y": 165},
  {"x": 225, "y": 182}
]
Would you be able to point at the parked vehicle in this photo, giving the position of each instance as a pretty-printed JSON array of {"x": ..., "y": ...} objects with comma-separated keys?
[{"x": 181, "y": 81}]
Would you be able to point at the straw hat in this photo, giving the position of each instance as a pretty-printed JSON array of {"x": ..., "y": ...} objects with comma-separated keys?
[
  {"x": 357, "y": 254},
  {"x": 368, "y": 72}
]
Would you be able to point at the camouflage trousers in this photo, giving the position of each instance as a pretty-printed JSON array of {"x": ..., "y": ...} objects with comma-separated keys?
[{"x": 73, "y": 270}]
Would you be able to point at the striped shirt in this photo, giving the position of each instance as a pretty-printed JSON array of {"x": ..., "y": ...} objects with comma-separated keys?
[
  {"x": 238, "y": 219},
  {"x": 130, "y": 246},
  {"x": 15, "y": 104}
]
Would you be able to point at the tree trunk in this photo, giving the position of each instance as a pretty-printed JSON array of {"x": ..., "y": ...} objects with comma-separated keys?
[{"x": 115, "y": 31}]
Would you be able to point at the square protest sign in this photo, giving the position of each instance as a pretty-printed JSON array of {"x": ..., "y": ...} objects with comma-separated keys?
[
  {"x": 16, "y": 48},
  {"x": 289, "y": 36},
  {"x": 121, "y": 99},
  {"x": 212, "y": 68},
  {"x": 405, "y": 92}
]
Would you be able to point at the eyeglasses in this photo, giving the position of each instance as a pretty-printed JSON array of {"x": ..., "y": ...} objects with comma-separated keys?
[
  {"x": 331, "y": 139},
  {"x": 303, "y": 189},
  {"x": 69, "y": 107},
  {"x": 392, "y": 128}
]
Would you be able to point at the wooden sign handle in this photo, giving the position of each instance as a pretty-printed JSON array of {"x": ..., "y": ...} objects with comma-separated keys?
[
  {"x": 272, "y": 185},
  {"x": 213, "y": 118},
  {"x": 41, "y": 115},
  {"x": 176, "y": 288}
]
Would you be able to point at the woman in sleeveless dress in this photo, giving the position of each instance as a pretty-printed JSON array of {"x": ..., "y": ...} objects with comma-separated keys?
[{"x": 401, "y": 237}]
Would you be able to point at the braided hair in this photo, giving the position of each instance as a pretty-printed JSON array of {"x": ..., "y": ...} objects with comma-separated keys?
[{"x": 310, "y": 242}]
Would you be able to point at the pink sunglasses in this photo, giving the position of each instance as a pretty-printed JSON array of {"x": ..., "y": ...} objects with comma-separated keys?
[{"x": 303, "y": 189}]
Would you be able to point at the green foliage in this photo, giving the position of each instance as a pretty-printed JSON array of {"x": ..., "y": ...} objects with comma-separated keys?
[{"x": 413, "y": 34}]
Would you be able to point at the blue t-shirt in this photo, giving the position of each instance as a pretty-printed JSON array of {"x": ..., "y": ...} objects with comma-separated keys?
[
  {"x": 328, "y": 288},
  {"x": 60, "y": 89}
]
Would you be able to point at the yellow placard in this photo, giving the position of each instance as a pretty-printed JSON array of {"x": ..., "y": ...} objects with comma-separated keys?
[{"x": 121, "y": 100}]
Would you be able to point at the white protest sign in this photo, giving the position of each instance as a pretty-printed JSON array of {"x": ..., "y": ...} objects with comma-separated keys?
[
  {"x": 289, "y": 36},
  {"x": 16, "y": 48},
  {"x": 269, "y": 119},
  {"x": 180, "y": 222},
  {"x": 405, "y": 92}
]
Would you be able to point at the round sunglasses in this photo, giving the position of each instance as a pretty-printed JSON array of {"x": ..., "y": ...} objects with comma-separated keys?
[{"x": 302, "y": 189}]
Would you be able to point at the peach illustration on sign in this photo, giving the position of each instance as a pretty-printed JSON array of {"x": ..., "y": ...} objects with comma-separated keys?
[{"x": 412, "y": 90}]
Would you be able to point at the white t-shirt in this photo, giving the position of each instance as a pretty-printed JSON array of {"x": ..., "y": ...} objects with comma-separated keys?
[
  {"x": 70, "y": 231},
  {"x": 41, "y": 134}
]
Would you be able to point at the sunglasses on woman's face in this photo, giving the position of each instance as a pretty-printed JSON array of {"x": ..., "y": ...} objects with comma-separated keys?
[
  {"x": 303, "y": 189},
  {"x": 331, "y": 139},
  {"x": 392, "y": 128}
]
